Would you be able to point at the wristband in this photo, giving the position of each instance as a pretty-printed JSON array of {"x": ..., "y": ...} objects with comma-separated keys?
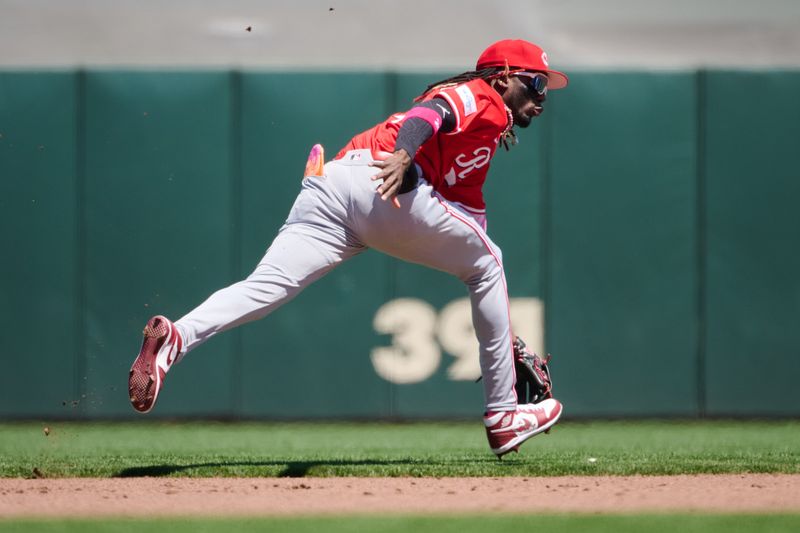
[{"x": 428, "y": 115}]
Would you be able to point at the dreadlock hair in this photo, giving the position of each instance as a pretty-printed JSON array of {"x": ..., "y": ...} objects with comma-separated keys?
[
  {"x": 508, "y": 137},
  {"x": 484, "y": 74}
]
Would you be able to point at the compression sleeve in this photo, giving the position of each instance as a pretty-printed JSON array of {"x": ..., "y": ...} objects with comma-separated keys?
[{"x": 418, "y": 125}]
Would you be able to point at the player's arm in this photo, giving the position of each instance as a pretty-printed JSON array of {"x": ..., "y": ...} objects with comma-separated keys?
[{"x": 420, "y": 123}]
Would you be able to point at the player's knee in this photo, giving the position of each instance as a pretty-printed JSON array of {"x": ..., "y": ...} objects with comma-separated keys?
[{"x": 487, "y": 271}]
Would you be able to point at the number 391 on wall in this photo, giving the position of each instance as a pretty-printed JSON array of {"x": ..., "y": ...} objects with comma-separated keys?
[{"x": 419, "y": 335}]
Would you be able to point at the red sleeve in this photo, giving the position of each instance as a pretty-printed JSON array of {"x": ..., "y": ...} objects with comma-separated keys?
[{"x": 476, "y": 106}]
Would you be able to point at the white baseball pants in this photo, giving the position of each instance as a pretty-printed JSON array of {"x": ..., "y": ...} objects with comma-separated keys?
[{"x": 339, "y": 215}]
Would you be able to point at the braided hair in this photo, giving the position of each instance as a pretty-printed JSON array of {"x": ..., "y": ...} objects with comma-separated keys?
[{"x": 486, "y": 74}]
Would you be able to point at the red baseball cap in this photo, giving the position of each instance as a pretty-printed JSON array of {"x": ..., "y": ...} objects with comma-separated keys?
[{"x": 517, "y": 53}]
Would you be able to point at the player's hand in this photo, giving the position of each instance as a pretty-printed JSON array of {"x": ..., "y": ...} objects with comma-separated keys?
[{"x": 393, "y": 168}]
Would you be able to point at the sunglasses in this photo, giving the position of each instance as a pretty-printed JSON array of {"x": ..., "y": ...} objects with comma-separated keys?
[{"x": 534, "y": 82}]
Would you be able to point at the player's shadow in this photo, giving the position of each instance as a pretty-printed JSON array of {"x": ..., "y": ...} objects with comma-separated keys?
[{"x": 290, "y": 468}]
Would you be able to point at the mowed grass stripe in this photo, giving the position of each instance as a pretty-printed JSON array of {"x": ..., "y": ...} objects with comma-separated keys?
[
  {"x": 383, "y": 449},
  {"x": 684, "y": 523}
]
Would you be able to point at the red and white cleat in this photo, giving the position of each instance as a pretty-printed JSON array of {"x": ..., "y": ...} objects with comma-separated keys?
[
  {"x": 161, "y": 346},
  {"x": 508, "y": 429}
]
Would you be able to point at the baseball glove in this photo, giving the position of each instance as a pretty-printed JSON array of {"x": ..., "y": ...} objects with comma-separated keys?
[{"x": 533, "y": 375}]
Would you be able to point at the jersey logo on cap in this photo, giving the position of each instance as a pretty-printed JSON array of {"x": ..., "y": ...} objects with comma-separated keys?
[{"x": 544, "y": 59}]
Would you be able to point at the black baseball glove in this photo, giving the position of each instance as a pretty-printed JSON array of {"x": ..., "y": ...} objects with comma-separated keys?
[{"x": 533, "y": 375}]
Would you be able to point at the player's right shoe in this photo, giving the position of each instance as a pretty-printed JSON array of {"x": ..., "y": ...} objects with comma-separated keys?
[
  {"x": 161, "y": 346},
  {"x": 507, "y": 430}
]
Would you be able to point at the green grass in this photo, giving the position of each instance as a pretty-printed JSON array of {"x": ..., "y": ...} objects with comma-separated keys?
[
  {"x": 380, "y": 449},
  {"x": 685, "y": 523}
]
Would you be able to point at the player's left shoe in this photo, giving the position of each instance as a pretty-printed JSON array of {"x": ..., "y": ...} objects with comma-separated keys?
[
  {"x": 507, "y": 430},
  {"x": 161, "y": 347}
]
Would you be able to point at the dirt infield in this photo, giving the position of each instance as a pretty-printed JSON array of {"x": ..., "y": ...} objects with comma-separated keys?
[{"x": 82, "y": 497}]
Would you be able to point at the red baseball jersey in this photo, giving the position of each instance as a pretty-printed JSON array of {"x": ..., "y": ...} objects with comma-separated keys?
[{"x": 455, "y": 163}]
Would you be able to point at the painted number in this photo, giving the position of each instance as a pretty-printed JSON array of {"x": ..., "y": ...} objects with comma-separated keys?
[{"x": 415, "y": 355}]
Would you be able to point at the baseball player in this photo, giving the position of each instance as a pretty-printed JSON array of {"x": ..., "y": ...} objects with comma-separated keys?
[{"x": 410, "y": 187}]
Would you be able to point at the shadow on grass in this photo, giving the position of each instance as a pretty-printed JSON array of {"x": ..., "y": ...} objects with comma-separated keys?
[{"x": 291, "y": 468}]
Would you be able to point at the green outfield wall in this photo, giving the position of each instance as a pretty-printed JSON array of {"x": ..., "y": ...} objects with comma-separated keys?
[{"x": 648, "y": 222}]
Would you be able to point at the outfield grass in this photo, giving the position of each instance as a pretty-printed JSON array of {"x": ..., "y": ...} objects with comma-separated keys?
[
  {"x": 381, "y": 449},
  {"x": 685, "y": 523}
]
